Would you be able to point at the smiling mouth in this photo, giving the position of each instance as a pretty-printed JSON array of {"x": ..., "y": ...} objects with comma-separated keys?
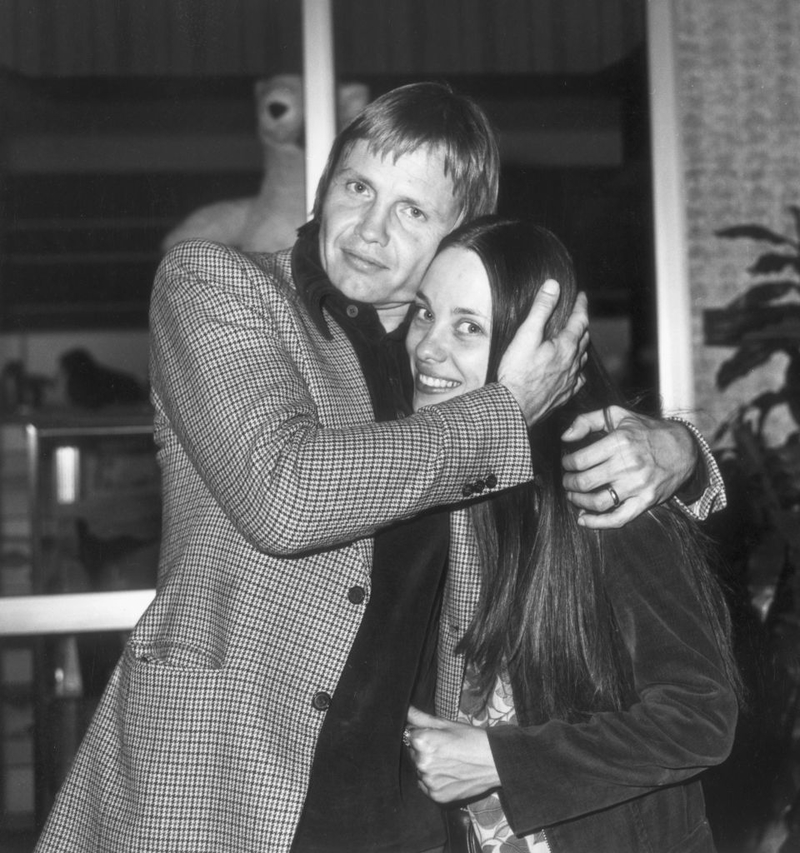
[{"x": 433, "y": 384}]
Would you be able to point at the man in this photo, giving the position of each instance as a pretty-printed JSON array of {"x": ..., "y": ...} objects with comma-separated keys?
[{"x": 262, "y": 696}]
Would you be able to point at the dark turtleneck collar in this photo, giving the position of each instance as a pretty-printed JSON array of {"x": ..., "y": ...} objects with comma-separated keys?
[{"x": 310, "y": 279}]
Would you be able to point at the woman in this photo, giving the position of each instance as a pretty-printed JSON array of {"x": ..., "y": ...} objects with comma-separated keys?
[{"x": 599, "y": 676}]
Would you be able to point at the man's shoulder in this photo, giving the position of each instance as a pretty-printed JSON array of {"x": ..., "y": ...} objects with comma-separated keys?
[
  {"x": 230, "y": 268},
  {"x": 204, "y": 253}
]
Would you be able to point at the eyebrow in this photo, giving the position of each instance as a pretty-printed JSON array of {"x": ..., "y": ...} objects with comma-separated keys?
[
  {"x": 457, "y": 311},
  {"x": 428, "y": 206},
  {"x": 353, "y": 175}
]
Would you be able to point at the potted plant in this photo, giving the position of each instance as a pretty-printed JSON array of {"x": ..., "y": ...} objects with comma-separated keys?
[{"x": 760, "y": 532}]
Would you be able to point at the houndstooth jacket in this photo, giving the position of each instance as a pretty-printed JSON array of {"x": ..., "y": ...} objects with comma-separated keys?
[{"x": 274, "y": 479}]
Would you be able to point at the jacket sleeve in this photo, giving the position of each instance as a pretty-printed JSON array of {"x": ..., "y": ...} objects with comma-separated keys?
[
  {"x": 234, "y": 390},
  {"x": 682, "y": 721},
  {"x": 713, "y": 497}
]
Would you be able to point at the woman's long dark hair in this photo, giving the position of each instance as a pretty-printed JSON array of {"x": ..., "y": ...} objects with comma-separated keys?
[{"x": 543, "y": 615}]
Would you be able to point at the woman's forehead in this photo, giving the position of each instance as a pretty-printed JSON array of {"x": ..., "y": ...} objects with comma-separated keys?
[{"x": 457, "y": 275}]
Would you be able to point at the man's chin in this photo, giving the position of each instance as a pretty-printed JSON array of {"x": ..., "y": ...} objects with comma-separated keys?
[{"x": 357, "y": 287}]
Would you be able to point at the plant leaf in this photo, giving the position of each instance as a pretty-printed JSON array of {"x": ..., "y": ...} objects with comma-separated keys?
[
  {"x": 736, "y": 323},
  {"x": 754, "y": 232},
  {"x": 747, "y": 358},
  {"x": 795, "y": 211},
  {"x": 760, "y": 294},
  {"x": 772, "y": 262}
]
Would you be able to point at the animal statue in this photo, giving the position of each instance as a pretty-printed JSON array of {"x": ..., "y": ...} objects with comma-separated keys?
[{"x": 269, "y": 221}]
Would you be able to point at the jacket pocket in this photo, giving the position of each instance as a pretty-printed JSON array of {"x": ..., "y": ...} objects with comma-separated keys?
[
  {"x": 174, "y": 655},
  {"x": 186, "y": 751}
]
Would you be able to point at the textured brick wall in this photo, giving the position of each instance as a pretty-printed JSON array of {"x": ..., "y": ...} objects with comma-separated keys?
[{"x": 739, "y": 90}]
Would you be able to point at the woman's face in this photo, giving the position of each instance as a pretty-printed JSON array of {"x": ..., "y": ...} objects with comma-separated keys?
[{"x": 448, "y": 340}]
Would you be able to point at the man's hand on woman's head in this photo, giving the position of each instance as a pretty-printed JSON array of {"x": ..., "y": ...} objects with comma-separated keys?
[
  {"x": 543, "y": 374},
  {"x": 640, "y": 463}
]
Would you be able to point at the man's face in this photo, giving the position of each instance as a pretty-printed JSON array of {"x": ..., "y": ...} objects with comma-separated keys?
[{"x": 382, "y": 221}]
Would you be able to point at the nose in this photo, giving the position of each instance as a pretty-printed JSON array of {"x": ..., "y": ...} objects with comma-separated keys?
[
  {"x": 430, "y": 347},
  {"x": 373, "y": 227}
]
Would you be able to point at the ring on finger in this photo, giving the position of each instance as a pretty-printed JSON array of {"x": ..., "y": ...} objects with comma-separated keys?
[
  {"x": 407, "y": 736},
  {"x": 614, "y": 497}
]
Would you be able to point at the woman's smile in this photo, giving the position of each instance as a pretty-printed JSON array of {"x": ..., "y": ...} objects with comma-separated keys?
[{"x": 433, "y": 384}]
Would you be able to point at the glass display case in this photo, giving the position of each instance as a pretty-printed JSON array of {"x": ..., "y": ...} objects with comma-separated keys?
[
  {"x": 95, "y": 508},
  {"x": 80, "y": 512}
]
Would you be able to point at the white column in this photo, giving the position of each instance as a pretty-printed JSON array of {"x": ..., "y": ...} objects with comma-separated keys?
[
  {"x": 675, "y": 369},
  {"x": 319, "y": 84}
]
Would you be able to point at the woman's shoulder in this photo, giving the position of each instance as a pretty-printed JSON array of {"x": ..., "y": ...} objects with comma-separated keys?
[
  {"x": 656, "y": 526},
  {"x": 655, "y": 542}
]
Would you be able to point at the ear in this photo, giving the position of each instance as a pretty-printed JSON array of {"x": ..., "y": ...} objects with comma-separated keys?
[
  {"x": 279, "y": 85},
  {"x": 261, "y": 88},
  {"x": 352, "y": 98}
]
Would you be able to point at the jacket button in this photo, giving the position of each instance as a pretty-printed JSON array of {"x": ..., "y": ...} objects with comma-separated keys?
[
  {"x": 491, "y": 481},
  {"x": 479, "y": 486},
  {"x": 321, "y": 701},
  {"x": 467, "y": 490},
  {"x": 356, "y": 594}
]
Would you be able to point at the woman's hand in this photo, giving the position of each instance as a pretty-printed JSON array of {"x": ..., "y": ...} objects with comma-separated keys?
[{"x": 454, "y": 761}]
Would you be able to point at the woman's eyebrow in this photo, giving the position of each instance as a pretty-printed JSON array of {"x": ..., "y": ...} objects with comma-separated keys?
[
  {"x": 456, "y": 311},
  {"x": 472, "y": 312}
]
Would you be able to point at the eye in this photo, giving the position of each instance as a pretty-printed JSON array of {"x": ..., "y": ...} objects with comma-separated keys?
[
  {"x": 470, "y": 328},
  {"x": 357, "y": 187},
  {"x": 415, "y": 213},
  {"x": 422, "y": 314}
]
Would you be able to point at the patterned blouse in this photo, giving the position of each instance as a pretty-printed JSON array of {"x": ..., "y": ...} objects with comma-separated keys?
[{"x": 488, "y": 819}]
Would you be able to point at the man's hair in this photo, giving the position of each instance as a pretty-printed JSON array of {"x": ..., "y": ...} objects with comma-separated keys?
[{"x": 432, "y": 116}]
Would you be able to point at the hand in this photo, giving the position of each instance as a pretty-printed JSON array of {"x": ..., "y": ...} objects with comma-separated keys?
[
  {"x": 644, "y": 460},
  {"x": 543, "y": 374},
  {"x": 454, "y": 761}
]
